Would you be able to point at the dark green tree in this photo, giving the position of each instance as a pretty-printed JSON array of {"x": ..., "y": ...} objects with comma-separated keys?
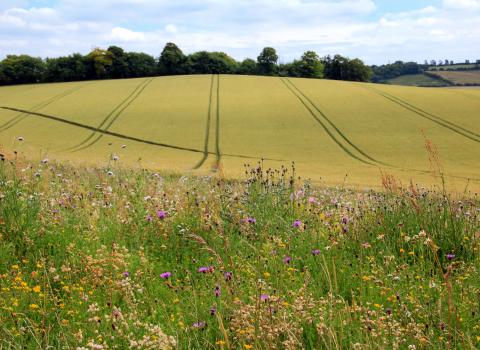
[
  {"x": 247, "y": 67},
  {"x": 171, "y": 61},
  {"x": 310, "y": 65},
  {"x": 204, "y": 62},
  {"x": 267, "y": 61},
  {"x": 119, "y": 67},
  {"x": 342, "y": 68},
  {"x": 140, "y": 65},
  {"x": 68, "y": 68},
  {"x": 22, "y": 69}
]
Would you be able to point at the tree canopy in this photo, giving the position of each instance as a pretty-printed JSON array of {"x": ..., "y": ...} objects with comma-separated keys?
[{"x": 116, "y": 63}]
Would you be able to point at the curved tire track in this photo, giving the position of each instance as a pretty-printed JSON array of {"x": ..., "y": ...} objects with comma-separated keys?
[
  {"x": 339, "y": 132},
  {"x": 117, "y": 115},
  {"x": 440, "y": 121},
  {"x": 127, "y": 137},
  {"x": 105, "y": 120},
  {"x": 319, "y": 121},
  {"x": 217, "y": 123},
  {"x": 19, "y": 117},
  {"x": 207, "y": 130}
]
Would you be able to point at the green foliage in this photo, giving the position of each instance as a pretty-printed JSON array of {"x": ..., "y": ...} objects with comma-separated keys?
[
  {"x": 343, "y": 68},
  {"x": 101, "y": 60},
  {"x": 390, "y": 71},
  {"x": 267, "y": 61},
  {"x": 68, "y": 68},
  {"x": 204, "y": 62},
  {"x": 247, "y": 67},
  {"x": 171, "y": 61},
  {"x": 21, "y": 69},
  {"x": 119, "y": 68}
]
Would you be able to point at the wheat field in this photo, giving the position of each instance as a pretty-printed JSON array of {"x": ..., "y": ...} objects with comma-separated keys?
[{"x": 335, "y": 132}]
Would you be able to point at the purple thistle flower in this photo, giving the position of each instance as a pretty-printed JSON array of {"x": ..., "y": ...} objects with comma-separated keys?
[
  {"x": 228, "y": 276},
  {"x": 149, "y": 218},
  {"x": 264, "y": 297},
  {"x": 297, "y": 223},
  {"x": 450, "y": 256},
  {"x": 126, "y": 274},
  {"x": 165, "y": 275},
  {"x": 205, "y": 269},
  {"x": 161, "y": 214},
  {"x": 287, "y": 259},
  {"x": 213, "y": 310},
  {"x": 316, "y": 252},
  {"x": 217, "y": 291},
  {"x": 250, "y": 220}
]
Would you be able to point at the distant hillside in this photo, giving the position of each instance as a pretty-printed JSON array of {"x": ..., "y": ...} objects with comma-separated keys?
[
  {"x": 459, "y": 78},
  {"x": 422, "y": 80}
]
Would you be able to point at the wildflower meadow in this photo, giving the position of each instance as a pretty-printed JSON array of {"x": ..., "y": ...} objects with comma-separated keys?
[{"x": 112, "y": 258}]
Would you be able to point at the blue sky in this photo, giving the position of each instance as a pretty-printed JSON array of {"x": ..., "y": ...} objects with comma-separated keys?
[{"x": 378, "y": 31}]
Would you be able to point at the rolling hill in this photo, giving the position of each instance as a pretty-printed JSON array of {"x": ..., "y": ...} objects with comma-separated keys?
[{"x": 335, "y": 131}]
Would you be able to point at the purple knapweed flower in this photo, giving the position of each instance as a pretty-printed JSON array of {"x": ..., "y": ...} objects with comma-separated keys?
[
  {"x": 287, "y": 259},
  {"x": 126, "y": 274},
  {"x": 450, "y": 256},
  {"x": 161, "y": 214},
  {"x": 213, "y": 310},
  {"x": 217, "y": 291},
  {"x": 297, "y": 223},
  {"x": 316, "y": 252},
  {"x": 206, "y": 269},
  {"x": 312, "y": 200},
  {"x": 165, "y": 275},
  {"x": 264, "y": 297},
  {"x": 149, "y": 218},
  {"x": 250, "y": 220},
  {"x": 228, "y": 276}
]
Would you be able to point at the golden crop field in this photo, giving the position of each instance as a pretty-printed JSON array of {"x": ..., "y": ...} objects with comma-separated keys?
[
  {"x": 469, "y": 77},
  {"x": 335, "y": 132}
]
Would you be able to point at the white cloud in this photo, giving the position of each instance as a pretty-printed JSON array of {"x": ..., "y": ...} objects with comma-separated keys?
[
  {"x": 242, "y": 27},
  {"x": 123, "y": 34},
  {"x": 462, "y": 4},
  {"x": 171, "y": 28}
]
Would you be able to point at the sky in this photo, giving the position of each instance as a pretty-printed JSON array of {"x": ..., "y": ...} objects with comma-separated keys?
[{"x": 377, "y": 31}]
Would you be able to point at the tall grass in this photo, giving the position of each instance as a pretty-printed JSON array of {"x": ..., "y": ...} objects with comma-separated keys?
[{"x": 94, "y": 258}]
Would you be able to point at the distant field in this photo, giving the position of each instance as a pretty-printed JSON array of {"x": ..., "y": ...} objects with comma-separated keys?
[
  {"x": 471, "y": 77},
  {"x": 416, "y": 80},
  {"x": 336, "y": 132}
]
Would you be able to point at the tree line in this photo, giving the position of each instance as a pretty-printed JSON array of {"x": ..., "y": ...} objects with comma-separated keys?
[{"x": 115, "y": 63}]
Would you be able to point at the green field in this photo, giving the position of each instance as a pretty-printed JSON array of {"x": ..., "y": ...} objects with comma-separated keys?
[
  {"x": 335, "y": 131},
  {"x": 416, "y": 80}
]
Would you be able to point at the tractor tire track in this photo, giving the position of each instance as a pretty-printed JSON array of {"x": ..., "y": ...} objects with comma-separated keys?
[
  {"x": 127, "y": 137},
  {"x": 116, "y": 116},
  {"x": 319, "y": 121},
  {"x": 440, "y": 121},
  {"x": 339, "y": 132},
  {"x": 21, "y": 116},
  {"x": 207, "y": 130},
  {"x": 105, "y": 120},
  {"x": 433, "y": 115},
  {"x": 217, "y": 123}
]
